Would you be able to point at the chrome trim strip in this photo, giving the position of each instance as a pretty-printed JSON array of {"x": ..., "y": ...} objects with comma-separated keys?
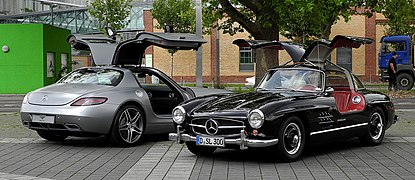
[
  {"x": 197, "y": 125},
  {"x": 220, "y": 127},
  {"x": 231, "y": 127},
  {"x": 223, "y": 135},
  {"x": 340, "y": 128},
  {"x": 228, "y": 118}
]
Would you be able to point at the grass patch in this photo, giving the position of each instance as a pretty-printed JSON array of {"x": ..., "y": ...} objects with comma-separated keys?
[
  {"x": 242, "y": 89},
  {"x": 399, "y": 94},
  {"x": 376, "y": 84},
  {"x": 210, "y": 85}
]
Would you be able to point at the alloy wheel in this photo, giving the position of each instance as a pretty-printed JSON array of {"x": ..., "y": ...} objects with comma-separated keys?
[{"x": 130, "y": 126}]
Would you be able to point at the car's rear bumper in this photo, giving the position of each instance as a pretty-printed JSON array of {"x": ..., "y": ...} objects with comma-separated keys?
[
  {"x": 395, "y": 119},
  {"x": 83, "y": 119},
  {"x": 242, "y": 141}
]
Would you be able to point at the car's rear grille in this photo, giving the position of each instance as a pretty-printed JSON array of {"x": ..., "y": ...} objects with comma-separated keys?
[
  {"x": 47, "y": 126},
  {"x": 226, "y": 127}
]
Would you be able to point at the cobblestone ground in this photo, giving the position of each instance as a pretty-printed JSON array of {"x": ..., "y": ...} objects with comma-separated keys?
[{"x": 23, "y": 155}]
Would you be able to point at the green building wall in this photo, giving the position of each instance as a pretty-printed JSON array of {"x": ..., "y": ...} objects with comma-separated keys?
[{"x": 24, "y": 67}]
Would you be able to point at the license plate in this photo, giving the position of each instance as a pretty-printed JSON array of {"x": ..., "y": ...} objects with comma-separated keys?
[
  {"x": 210, "y": 141},
  {"x": 43, "y": 119}
]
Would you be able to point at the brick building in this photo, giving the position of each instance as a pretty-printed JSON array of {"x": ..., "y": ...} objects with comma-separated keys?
[{"x": 236, "y": 64}]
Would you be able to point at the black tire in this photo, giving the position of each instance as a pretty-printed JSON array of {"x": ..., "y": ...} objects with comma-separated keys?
[
  {"x": 292, "y": 139},
  {"x": 200, "y": 150},
  {"x": 128, "y": 126},
  {"x": 51, "y": 136},
  {"x": 375, "y": 129},
  {"x": 405, "y": 81}
]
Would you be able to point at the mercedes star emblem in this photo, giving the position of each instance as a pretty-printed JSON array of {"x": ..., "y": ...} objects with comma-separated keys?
[
  {"x": 211, "y": 127},
  {"x": 45, "y": 97}
]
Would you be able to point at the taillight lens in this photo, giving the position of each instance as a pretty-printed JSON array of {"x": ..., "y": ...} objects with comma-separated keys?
[{"x": 89, "y": 101}]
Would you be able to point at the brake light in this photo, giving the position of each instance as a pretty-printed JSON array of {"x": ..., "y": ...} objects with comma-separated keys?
[{"x": 89, "y": 101}]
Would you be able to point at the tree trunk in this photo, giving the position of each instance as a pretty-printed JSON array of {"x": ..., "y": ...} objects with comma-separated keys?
[
  {"x": 266, "y": 59},
  {"x": 327, "y": 29}
]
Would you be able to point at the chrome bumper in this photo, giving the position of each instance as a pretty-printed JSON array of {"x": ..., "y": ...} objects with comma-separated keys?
[{"x": 243, "y": 141}]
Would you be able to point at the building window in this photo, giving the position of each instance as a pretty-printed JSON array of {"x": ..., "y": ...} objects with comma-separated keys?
[
  {"x": 246, "y": 59},
  {"x": 344, "y": 58}
]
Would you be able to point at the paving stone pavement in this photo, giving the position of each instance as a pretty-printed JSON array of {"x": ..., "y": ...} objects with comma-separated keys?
[
  {"x": 93, "y": 158},
  {"x": 33, "y": 158}
]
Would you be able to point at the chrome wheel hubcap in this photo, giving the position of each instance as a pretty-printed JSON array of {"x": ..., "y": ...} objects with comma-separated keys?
[
  {"x": 292, "y": 138},
  {"x": 376, "y": 126},
  {"x": 130, "y": 125}
]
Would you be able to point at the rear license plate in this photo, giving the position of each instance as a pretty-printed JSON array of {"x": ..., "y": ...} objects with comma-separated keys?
[
  {"x": 43, "y": 119},
  {"x": 210, "y": 141}
]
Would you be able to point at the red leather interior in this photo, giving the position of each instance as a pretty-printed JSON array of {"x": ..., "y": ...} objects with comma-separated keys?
[
  {"x": 343, "y": 97},
  {"x": 308, "y": 87}
]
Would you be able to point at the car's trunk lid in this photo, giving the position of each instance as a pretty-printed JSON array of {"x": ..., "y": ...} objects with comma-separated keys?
[{"x": 62, "y": 94}]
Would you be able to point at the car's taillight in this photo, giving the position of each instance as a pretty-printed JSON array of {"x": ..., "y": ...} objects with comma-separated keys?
[{"x": 89, "y": 101}]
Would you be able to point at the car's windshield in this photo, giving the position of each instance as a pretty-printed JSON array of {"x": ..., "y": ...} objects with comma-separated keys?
[
  {"x": 93, "y": 76},
  {"x": 293, "y": 79}
]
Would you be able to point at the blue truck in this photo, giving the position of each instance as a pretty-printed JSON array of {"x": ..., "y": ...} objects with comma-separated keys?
[{"x": 404, "y": 47}]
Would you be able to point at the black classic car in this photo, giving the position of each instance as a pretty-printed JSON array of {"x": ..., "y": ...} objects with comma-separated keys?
[{"x": 310, "y": 100}]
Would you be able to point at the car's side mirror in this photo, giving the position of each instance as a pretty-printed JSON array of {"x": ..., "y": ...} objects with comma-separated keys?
[{"x": 328, "y": 91}]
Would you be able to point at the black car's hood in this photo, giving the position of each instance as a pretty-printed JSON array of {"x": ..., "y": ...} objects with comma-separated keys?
[{"x": 250, "y": 101}]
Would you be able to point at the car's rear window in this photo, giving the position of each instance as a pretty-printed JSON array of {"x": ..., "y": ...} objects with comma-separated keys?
[{"x": 93, "y": 76}]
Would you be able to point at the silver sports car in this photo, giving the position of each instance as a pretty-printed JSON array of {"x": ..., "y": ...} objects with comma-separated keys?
[{"x": 118, "y": 98}]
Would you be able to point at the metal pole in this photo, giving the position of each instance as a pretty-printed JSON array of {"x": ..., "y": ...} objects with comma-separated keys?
[
  {"x": 51, "y": 12},
  {"x": 199, "y": 51},
  {"x": 217, "y": 58}
]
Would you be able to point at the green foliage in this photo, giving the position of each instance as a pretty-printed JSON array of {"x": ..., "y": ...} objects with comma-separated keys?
[
  {"x": 181, "y": 14},
  {"x": 299, "y": 20},
  {"x": 256, "y": 17},
  {"x": 112, "y": 13},
  {"x": 401, "y": 15},
  {"x": 312, "y": 19}
]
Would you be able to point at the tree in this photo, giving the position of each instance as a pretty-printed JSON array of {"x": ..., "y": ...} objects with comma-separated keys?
[
  {"x": 261, "y": 18},
  {"x": 179, "y": 14},
  {"x": 400, "y": 15},
  {"x": 296, "y": 19},
  {"x": 112, "y": 13},
  {"x": 299, "y": 20},
  {"x": 313, "y": 19}
]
